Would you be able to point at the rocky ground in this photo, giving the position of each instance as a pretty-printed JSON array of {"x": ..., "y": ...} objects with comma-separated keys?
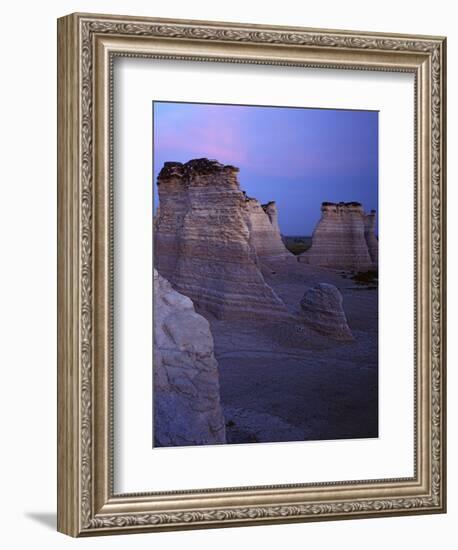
[{"x": 281, "y": 381}]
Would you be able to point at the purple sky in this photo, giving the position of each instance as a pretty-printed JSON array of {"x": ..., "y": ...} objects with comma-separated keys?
[{"x": 295, "y": 156}]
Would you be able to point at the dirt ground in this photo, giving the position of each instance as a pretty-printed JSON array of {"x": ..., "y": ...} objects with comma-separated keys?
[{"x": 281, "y": 381}]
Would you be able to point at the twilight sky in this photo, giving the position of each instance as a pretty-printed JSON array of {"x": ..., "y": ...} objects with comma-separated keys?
[{"x": 297, "y": 157}]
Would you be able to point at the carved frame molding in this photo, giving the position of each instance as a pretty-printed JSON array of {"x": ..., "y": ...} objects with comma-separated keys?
[{"x": 87, "y": 46}]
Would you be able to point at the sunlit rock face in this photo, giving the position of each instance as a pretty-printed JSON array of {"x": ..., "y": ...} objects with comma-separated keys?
[
  {"x": 187, "y": 409},
  {"x": 205, "y": 239},
  {"x": 322, "y": 309},
  {"x": 340, "y": 239}
]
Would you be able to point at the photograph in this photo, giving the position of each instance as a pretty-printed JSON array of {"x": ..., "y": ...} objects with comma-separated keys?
[
  {"x": 233, "y": 348},
  {"x": 265, "y": 256}
]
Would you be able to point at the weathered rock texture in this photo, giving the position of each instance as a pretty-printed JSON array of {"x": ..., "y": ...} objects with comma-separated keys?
[
  {"x": 343, "y": 238},
  {"x": 322, "y": 309},
  {"x": 206, "y": 237},
  {"x": 371, "y": 239},
  {"x": 265, "y": 236},
  {"x": 271, "y": 210},
  {"x": 187, "y": 409}
]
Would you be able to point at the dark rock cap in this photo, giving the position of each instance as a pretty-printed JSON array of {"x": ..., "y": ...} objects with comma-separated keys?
[
  {"x": 202, "y": 166},
  {"x": 171, "y": 169},
  {"x": 352, "y": 203}
]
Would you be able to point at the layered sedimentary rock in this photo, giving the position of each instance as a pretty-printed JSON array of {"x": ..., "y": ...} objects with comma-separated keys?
[
  {"x": 322, "y": 309},
  {"x": 265, "y": 237},
  {"x": 371, "y": 239},
  {"x": 340, "y": 239},
  {"x": 270, "y": 209},
  {"x": 187, "y": 409},
  {"x": 205, "y": 240}
]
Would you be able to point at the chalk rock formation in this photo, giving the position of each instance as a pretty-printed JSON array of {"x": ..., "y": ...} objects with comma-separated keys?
[
  {"x": 202, "y": 240},
  {"x": 187, "y": 409},
  {"x": 322, "y": 309},
  {"x": 270, "y": 209},
  {"x": 371, "y": 239},
  {"x": 340, "y": 238},
  {"x": 265, "y": 237}
]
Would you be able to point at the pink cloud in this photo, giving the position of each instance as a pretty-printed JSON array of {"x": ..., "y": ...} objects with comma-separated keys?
[{"x": 204, "y": 138}]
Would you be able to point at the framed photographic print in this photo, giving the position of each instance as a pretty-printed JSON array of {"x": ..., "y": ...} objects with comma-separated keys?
[{"x": 251, "y": 290}]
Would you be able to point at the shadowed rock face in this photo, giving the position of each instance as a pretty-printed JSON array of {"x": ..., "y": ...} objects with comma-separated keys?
[
  {"x": 371, "y": 239},
  {"x": 187, "y": 408},
  {"x": 205, "y": 239},
  {"x": 340, "y": 239},
  {"x": 322, "y": 309}
]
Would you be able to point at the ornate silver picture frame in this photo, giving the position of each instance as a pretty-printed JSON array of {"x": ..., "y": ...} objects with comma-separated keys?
[{"x": 88, "y": 44}]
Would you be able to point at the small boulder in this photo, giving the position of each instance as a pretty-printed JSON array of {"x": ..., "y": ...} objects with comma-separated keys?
[{"x": 323, "y": 311}]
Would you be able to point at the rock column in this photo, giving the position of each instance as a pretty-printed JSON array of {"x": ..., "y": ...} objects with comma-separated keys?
[
  {"x": 339, "y": 239},
  {"x": 202, "y": 241}
]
